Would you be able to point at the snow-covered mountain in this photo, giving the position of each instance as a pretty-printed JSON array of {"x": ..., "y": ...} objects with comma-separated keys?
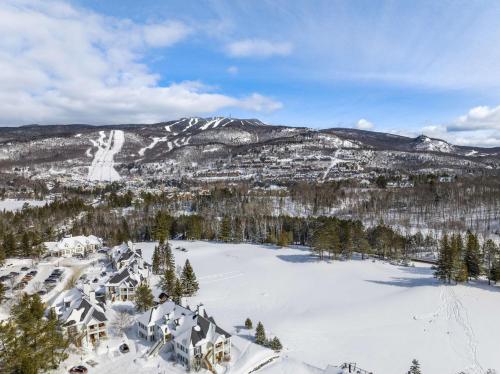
[{"x": 222, "y": 147}]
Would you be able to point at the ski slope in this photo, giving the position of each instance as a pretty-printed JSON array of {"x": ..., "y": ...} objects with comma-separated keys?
[
  {"x": 102, "y": 167},
  {"x": 375, "y": 314}
]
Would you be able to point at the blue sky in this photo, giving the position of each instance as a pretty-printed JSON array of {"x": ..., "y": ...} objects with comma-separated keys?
[{"x": 406, "y": 67}]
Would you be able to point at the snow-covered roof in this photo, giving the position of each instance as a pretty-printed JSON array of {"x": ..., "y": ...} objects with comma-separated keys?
[
  {"x": 126, "y": 275},
  {"x": 72, "y": 242},
  {"x": 74, "y": 308},
  {"x": 187, "y": 327}
]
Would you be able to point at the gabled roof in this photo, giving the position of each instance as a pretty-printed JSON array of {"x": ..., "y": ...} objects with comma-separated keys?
[
  {"x": 81, "y": 311},
  {"x": 186, "y": 326},
  {"x": 119, "y": 277}
]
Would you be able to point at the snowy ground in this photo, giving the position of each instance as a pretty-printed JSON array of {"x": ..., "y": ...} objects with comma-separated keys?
[
  {"x": 14, "y": 205},
  {"x": 375, "y": 314},
  {"x": 102, "y": 168}
]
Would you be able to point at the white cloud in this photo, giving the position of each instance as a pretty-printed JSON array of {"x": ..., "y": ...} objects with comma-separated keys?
[
  {"x": 233, "y": 70},
  {"x": 259, "y": 103},
  {"x": 480, "y": 126},
  {"x": 258, "y": 48},
  {"x": 478, "y": 118},
  {"x": 364, "y": 124},
  {"x": 164, "y": 35},
  {"x": 62, "y": 64}
]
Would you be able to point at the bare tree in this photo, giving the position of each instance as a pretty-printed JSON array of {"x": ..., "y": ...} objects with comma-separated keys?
[{"x": 122, "y": 322}]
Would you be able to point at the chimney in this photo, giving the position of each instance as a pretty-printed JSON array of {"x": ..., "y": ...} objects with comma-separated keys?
[
  {"x": 86, "y": 289},
  {"x": 92, "y": 298},
  {"x": 201, "y": 310}
]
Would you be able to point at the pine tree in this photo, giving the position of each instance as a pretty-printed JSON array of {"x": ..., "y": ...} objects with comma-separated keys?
[
  {"x": 2, "y": 292},
  {"x": 458, "y": 271},
  {"x": 275, "y": 344},
  {"x": 31, "y": 343},
  {"x": 55, "y": 339},
  {"x": 177, "y": 294},
  {"x": 2, "y": 255},
  {"x": 248, "y": 324},
  {"x": 225, "y": 230},
  {"x": 260, "y": 334},
  {"x": 168, "y": 257},
  {"x": 415, "y": 367},
  {"x": 156, "y": 261},
  {"x": 25, "y": 247},
  {"x": 9, "y": 245},
  {"x": 167, "y": 282},
  {"x": 490, "y": 252},
  {"x": 188, "y": 280},
  {"x": 472, "y": 256},
  {"x": 143, "y": 297}
]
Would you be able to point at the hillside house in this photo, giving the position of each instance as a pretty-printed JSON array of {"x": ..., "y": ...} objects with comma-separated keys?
[
  {"x": 74, "y": 246},
  {"x": 194, "y": 338},
  {"x": 82, "y": 318},
  {"x": 123, "y": 284},
  {"x": 125, "y": 255}
]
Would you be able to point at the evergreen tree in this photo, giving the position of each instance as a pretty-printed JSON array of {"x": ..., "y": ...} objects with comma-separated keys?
[
  {"x": 2, "y": 255},
  {"x": 188, "y": 280},
  {"x": 472, "y": 256},
  {"x": 275, "y": 344},
  {"x": 2, "y": 292},
  {"x": 9, "y": 245},
  {"x": 168, "y": 257},
  {"x": 285, "y": 238},
  {"x": 458, "y": 271},
  {"x": 30, "y": 343},
  {"x": 177, "y": 295},
  {"x": 248, "y": 324},
  {"x": 415, "y": 367},
  {"x": 260, "y": 334},
  {"x": 490, "y": 252},
  {"x": 143, "y": 298},
  {"x": 156, "y": 261},
  {"x": 225, "y": 230},
  {"x": 25, "y": 247},
  {"x": 55, "y": 338},
  {"x": 167, "y": 282}
]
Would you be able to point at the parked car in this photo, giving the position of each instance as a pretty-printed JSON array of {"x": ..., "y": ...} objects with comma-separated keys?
[
  {"x": 25, "y": 268},
  {"x": 33, "y": 272},
  {"x": 14, "y": 273},
  {"x": 124, "y": 348},
  {"x": 80, "y": 369}
]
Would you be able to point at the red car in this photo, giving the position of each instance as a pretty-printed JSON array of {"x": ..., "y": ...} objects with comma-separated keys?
[{"x": 78, "y": 370}]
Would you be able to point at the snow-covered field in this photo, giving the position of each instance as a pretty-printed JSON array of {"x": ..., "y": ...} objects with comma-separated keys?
[
  {"x": 102, "y": 168},
  {"x": 375, "y": 314},
  {"x": 14, "y": 205}
]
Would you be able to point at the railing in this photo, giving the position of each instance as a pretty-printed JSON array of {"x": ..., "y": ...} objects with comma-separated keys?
[
  {"x": 155, "y": 348},
  {"x": 352, "y": 368}
]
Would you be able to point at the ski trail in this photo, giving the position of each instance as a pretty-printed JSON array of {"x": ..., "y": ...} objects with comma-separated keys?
[
  {"x": 102, "y": 167},
  {"x": 456, "y": 311},
  {"x": 334, "y": 162}
]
